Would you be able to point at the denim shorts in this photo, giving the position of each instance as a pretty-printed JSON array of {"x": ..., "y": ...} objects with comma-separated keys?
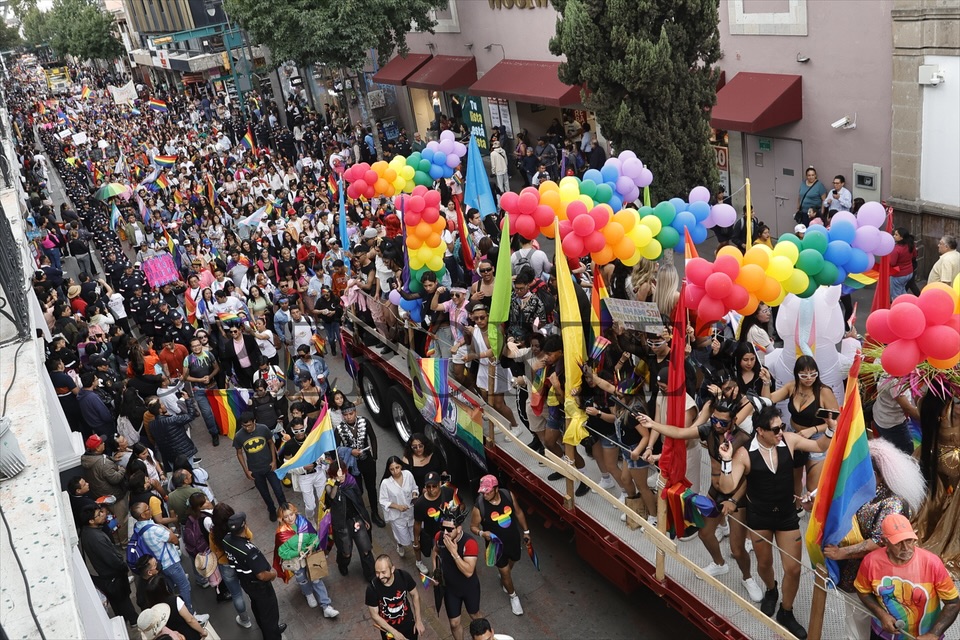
[{"x": 555, "y": 418}]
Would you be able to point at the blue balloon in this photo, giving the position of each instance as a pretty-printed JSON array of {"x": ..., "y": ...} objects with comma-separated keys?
[
  {"x": 447, "y": 171},
  {"x": 615, "y": 202},
  {"x": 679, "y": 204},
  {"x": 700, "y": 210},
  {"x": 593, "y": 174},
  {"x": 684, "y": 219},
  {"x": 818, "y": 228},
  {"x": 843, "y": 230},
  {"x": 408, "y": 305},
  {"x": 427, "y": 154},
  {"x": 439, "y": 158},
  {"x": 436, "y": 171},
  {"x": 841, "y": 275},
  {"x": 610, "y": 174},
  {"x": 838, "y": 253},
  {"x": 699, "y": 232},
  {"x": 416, "y": 314},
  {"x": 858, "y": 261}
]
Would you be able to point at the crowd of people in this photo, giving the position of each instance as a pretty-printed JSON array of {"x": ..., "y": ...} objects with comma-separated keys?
[{"x": 261, "y": 284}]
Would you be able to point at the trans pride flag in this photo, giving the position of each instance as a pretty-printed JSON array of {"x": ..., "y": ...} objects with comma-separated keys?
[
  {"x": 318, "y": 441},
  {"x": 847, "y": 481}
]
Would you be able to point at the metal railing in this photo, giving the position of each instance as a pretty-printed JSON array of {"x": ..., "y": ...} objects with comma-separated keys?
[{"x": 15, "y": 304}]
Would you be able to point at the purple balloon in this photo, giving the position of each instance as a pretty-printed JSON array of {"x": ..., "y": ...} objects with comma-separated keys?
[
  {"x": 871, "y": 261},
  {"x": 433, "y": 145},
  {"x": 447, "y": 134},
  {"x": 723, "y": 215},
  {"x": 645, "y": 179},
  {"x": 884, "y": 244},
  {"x": 699, "y": 194},
  {"x": 453, "y": 160},
  {"x": 844, "y": 216},
  {"x": 626, "y": 154},
  {"x": 395, "y": 297},
  {"x": 871, "y": 214},
  {"x": 867, "y": 238},
  {"x": 614, "y": 162},
  {"x": 709, "y": 223},
  {"x": 459, "y": 149},
  {"x": 633, "y": 195},
  {"x": 632, "y": 168},
  {"x": 624, "y": 185},
  {"x": 446, "y": 146}
]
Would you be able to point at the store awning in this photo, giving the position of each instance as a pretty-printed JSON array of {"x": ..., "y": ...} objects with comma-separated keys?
[
  {"x": 399, "y": 68},
  {"x": 532, "y": 81},
  {"x": 754, "y": 102},
  {"x": 444, "y": 73}
]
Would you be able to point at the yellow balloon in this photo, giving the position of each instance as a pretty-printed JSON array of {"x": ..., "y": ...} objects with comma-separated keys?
[
  {"x": 756, "y": 255},
  {"x": 398, "y": 162},
  {"x": 788, "y": 250},
  {"x": 587, "y": 200},
  {"x": 571, "y": 181},
  {"x": 797, "y": 282},
  {"x": 653, "y": 250},
  {"x": 779, "y": 268},
  {"x": 407, "y": 173},
  {"x": 435, "y": 263},
  {"x": 776, "y": 302},
  {"x": 399, "y": 184},
  {"x": 733, "y": 252},
  {"x": 424, "y": 254},
  {"x": 653, "y": 223},
  {"x": 634, "y": 259},
  {"x": 415, "y": 261},
  {"x": 548, "y": 185},
  {"x": 641, "y": 235}
]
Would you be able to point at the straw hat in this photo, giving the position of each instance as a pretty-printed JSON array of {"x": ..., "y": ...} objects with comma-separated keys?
[{"x": 152, "y": 621}]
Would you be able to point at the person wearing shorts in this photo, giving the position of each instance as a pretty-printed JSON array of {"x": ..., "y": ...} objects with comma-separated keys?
[
  {"x": 480, "y": 350},
  {"x": 455, "y": 554},
  {"x": 497, "y": 514}
]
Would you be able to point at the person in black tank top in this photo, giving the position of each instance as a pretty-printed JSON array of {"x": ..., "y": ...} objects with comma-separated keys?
[{"x": 766, "y": 464}]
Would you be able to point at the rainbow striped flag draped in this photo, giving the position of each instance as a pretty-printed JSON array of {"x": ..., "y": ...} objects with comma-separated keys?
[
  {"x": 318, "y": 442},
  {"x": 162, "y": 181},
  {"x": 157, "y": 105},
  {"x": 332, "y": 186},
  {"x": 177, "y": 198},
  {"x": 847, "y": 481},
  {"x": 211, "y": 190},
  {"x": 247, "y": 141},
  {"x": 227, "y": 405},
  {"x": 85, "y": 92},
  {"x": 319, "y": 343},
  {"x": 433, "y": 374},
  {"x": 165, "y": 161}
]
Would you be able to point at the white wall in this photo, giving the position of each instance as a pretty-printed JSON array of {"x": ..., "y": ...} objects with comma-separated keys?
[{"x": 940, "y": 148}]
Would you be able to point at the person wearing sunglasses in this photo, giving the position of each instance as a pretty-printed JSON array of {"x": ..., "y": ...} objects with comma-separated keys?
[
  {"x": 717, "y": 427},
  {"x": 806, "y": 394},
  {"x": 767, "y": 466},
  {"x": 455, "y": 554}
]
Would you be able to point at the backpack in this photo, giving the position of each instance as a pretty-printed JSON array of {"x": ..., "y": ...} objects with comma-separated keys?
[
  {"x": 522, "y": 260},
  {"x": 194, "y": 539},
  {"x": 540, "y": 289},
  {"x": 137, "y": 548}
]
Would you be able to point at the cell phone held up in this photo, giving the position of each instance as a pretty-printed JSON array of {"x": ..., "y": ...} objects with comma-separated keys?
[{"x": 832, "y": 414}]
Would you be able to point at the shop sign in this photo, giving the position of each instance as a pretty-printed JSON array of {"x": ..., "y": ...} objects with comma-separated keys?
[
  {"x": 473, "y": 119},
  {"x": 765, "y": 144}
]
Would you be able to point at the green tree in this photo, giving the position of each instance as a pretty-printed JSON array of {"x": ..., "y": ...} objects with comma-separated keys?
[
  {"x": 81, "y": 29},
  {"x": 37, "y": 26},
  {"x": 647, "y": 66},
  {"x": 9, "y": 37}
]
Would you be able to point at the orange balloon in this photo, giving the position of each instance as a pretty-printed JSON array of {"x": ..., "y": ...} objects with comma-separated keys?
[
  {"x": 751, "y": 306},
  {"x": 751, "y": 277},
  {"x": 414, "y": 242},
  {"x": 423, "y": 230},
  {"x": 603, "y": 256},
  {"x": 731, "y": 251},
  {"x": 547, "y": 186},
  {"x": 624, "y": 249},
  {"x": 626, "y": 218},
  {"x": 381, "y": 186},
  {"x": 945, "y": 364},
  {"x": 770, "y": 290},
  {"x": 439, "y": 225},
  {"x": 380, "y": 167},
  {"x": 613, "y": 233},
  {"x": 433, "y": 241},
  {"x": 549, "y": 230},
  {"x": 390, "y": 174},
  {"x": 757, "y": 256},
  {"x": 552, "y": 200}
]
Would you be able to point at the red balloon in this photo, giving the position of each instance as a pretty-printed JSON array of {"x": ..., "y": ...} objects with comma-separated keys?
[
  {"x": 526, "y": 226},
  {"x": 698, "y": 270},
  {"x": 939, "y": 342},
  {"x": 719, "y": 286},
  {"x": 583, "y": 225},
  {"x": 531, "y": 190},
  {"x": 907, "y": 321},
  {"x": 576, "y": 209},
  {"x": 544, "y": 215},
  {"x": 509, "y": 202},
  {"x": 528, "y": 202},
  {"x": 421, "y": 190},
  {"x": 594, "y": 242},
  {"x": 601, "y": 216},
  {"x": 694, "y": 295},
  {"x": 728, "y": 265},
  {"x": 370, "y": 176},
  {"x": 710, "y": 309},
  {"x": 573, "y": 246},
  {"x": 430, "y": 215},
  {"x": 353, "y": 192},
  {"x": 416, "y": 204},
  {"x": 411, "y": 218},
  {"x": 432, "y": 198},
  {"x": 878, "y": 327},
  {"x": 738, "y": 297},
  {"x": 566, "y": 227},
  {"x": 370, "y": 192},
  {"x": 937, "y": 306},
  {"x": 907, "y": 298},
  {"x": 361, "y": 186},
  {"x": 901, "y": 357}
]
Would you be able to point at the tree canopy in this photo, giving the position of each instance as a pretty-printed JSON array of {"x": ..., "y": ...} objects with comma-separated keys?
[
  {"x": 75, "y": 27},
  {"x": 647, "y": 66},
  {"x": 9, "y": 37},
  {"x": 339, "y": 33}
]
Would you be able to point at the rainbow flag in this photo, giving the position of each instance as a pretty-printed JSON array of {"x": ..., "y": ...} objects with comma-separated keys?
[
  {"x": 433, "y": 376},
  {"x": 247, "y": 141},
  {"x": 85, "y": 92},
  {"x": 574, "y": 347},
  {"x": 847, "y": 481},
  {"x": 41, "y": 109},
  {"x": 157, "y": 105},
  {"x": 227, "y": 405},
  {"x": 332, "y": 186},
  {"x": 97, "y": 175},
  {"x": 114, "y": 218},
  {"x": 170, "y": 246},
  {"x": 425, "y": 580},
  {"x": 318, "y": 442},
  {"x": 319, "y": 343},
  {"x": 177, "y": 198},
  {"x": 211, "y": 190},
  {"x": 165, "y": 161},
  {"x": 162, "y": 181},
  {"x": 227, "y": 317},
  {"x": 600, "y": 318},
  {"x": 534, "y": 558},
  {"x": 494, "y": 549}
]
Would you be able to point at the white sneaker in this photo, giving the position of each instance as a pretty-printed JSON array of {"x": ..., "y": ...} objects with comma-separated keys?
[
  {"x": 748, "y": 545},
  {"x": 623, "y": 517},
  {"x": 607, "y": 482},
  {"x": 515, "y": 605},
  {"x": 715, "y": 569},
  {"x": 422, "y": 568},
  {"x": 312, "y": 601},
  {"x": 246, "y": 624},
  {"x": 652, "y": 520},
  {"x": 753, "y": 589},
  {"x": 623, "y": 496},
  {"x": 723, "y": 531},
  {"x": 330, "y": 612},
  {"x": 400, "y": 551},
  {"x": 202, "y": 618}
]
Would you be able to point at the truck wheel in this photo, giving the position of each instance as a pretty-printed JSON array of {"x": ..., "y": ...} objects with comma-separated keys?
[
  {"x": 373, "y": 389},
  {"x": 403, "y": 414}
]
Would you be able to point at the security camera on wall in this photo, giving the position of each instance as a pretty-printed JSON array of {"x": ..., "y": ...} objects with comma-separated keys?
[{"x": 841, "y": 123}]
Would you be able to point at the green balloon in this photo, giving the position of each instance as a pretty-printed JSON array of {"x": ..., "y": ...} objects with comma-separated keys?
[
  {"x": 645, "y": 211},
  {"x": 668, "y": 236},
  {"x": 424, "y": 165},
  {"x": 827, "y": 275},
  {"x": 810, "y": 262},
  {"x": 589, "y": 188},
  {"x": 815, "y": 241},
  {"x": 422, "y": 178},
  {"x": 415, "y": 286},
  {"x": 789, "y": 237},
  {"x": 666, "y": 212},
  {"x": 810, "y": 290},
  {"x": 603, "y": 192},
  {"x": 413, "y": 159}
]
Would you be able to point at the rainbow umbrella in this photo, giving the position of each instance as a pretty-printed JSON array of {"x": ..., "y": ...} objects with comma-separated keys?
[
  {"x": 112, "y": 190},
  {"x": 494, "y": 549},
  {"x": 533, "y": 556}
]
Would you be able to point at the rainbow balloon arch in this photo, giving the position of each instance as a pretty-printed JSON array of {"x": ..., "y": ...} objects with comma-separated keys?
[{"x": 596, "y": 219}]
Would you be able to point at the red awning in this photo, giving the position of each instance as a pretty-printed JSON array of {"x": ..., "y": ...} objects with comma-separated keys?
[
  {"x": 444, "y": 73},
  {"x": 754, "y": 102},
  {"x": 399, "y": 68},
  {"x": 532, "y": 81}
]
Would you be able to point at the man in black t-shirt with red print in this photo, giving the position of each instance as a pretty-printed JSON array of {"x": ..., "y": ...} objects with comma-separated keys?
[
  {"x": 390, "y": 597},
  {"x": 455, "y": 553}
]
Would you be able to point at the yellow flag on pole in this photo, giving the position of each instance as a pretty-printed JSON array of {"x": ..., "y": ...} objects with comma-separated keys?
[{"x": 574, "y": 347}]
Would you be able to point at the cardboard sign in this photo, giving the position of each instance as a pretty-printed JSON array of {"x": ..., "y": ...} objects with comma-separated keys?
[{"x": 632, "y": 314}]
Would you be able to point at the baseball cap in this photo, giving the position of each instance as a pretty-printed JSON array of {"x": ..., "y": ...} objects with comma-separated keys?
[
  {"x": 800, "y": 228},
  {"x": 95, "y": 441},
  {"x": 432, "y": 478},
  {"x": 488, "y": 483},
  {"x": 237, "y": 522},
  {"x": 896, "y": 528},
  {"x": 370, "y": 234}
]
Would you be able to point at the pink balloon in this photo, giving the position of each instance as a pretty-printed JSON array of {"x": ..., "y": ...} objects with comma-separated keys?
[
  {"x": 528, "y": 203},
  {"x": 361, "y": 186},
  {"x": 710, "y": 309},
  {"x": 878, "y": 326},
  {"x": 901, "y": 357},
  {"x": 601, "y": 216},
  {"x": 353, "y": 192},
  {"x": 937, "y": 307},
  {"x": 583, "y": 225},
  {"x": 694, "y": 295},
  {"x": 543, "y": 215},
  {"x": 718, "y": 285},
  {"x": 416, "y": 204},
  {"x": 430, "y": 215},
  {"x": 412, "y": 218},
  {"x": 370, "y": 176},
  {"x": 727, "y": 265},
  {"x": 907, "y": 321},
  {"x": 939, "y": 342},
  {"x": 698, "y": 270},
  {"x": 421, "y": 190},
  {"x": 594, "y": 242},
  {"x": 432, "y": 198},
  {"x": 566, "y": 228},
  {"x": 699, "y": 194},
  {"x": 738, "y": 298},
  {"x": 576, "y": 209},
  {"x": 526, "y": 227},
  {"x": 510, "y": 202},
  {"x": 907, "y": 298},
  {"x": 573, "y": 246}
]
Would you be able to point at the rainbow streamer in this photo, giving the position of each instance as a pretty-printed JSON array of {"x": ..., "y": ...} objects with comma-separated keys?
[
  {"x": 227, "y": 405},
  {"x": 847, "y": 481},
  {"x": 494, "y": 549}
]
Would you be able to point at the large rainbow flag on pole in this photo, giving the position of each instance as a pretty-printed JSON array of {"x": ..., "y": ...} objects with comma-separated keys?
[
  {"x": 847, "y": 481},
  {"x": 227, "y": 405},
  {"x": 318, "y": 442}
]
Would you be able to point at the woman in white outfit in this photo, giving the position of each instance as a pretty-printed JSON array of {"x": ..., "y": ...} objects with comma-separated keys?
[{"x": 398, "y": 490}]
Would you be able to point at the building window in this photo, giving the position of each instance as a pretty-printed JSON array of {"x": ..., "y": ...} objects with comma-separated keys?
[{"x": 755, "y": 18}]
